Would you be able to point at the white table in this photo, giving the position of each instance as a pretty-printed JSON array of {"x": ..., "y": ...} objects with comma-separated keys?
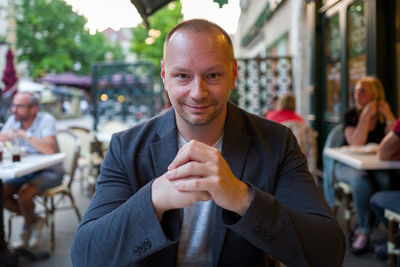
[
  {"x": 364, "y": 161},
  {"x": 28, "y": 164}
]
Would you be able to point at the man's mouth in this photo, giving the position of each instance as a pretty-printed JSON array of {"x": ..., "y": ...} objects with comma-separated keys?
[{"x": 198, "y": 107}]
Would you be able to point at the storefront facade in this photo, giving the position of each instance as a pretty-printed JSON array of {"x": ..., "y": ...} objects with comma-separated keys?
[
  {"x": 354, "y": 38},
  {"x": 332, "y": 43}
]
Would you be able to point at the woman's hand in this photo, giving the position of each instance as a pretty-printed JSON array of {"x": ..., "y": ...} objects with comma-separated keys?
[{"x": 370, "y": 110}]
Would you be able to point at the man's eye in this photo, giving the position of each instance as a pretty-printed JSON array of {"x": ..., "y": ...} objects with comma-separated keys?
[
  {"x": 213, "y": 75},
  {"x": 182, "y": 76}
]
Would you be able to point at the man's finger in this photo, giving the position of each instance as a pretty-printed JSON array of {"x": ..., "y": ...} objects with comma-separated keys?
[
  {"x": 193, "y": 151},
  {"x": 189, "y": 169}
]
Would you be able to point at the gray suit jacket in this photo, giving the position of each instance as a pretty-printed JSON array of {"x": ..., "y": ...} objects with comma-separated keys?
[{"x": 287, "y": 218}]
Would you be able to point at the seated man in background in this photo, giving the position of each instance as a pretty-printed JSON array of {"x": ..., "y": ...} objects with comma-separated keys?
[
  {"x": 36, "y": 131},
  {"x": 206, "y": 183},
  {"x": 389, "y": 149},
  {"x": 286, "y": 110}
]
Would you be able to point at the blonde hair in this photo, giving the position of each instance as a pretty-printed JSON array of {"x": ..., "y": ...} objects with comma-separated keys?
[{"x": 377, "y": 90}]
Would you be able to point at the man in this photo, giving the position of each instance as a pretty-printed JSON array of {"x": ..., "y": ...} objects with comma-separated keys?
[
  {"x": 389, "y": 149},
  {"x": 236, "y": 191},
  {"x": 36, "y": 131}
]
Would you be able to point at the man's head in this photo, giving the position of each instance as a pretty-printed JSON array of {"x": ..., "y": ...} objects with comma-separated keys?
[
  {"x": 199, "y": 71},
  {"x": 25, "y": 106},
  {"x": 287, "y": 102}
]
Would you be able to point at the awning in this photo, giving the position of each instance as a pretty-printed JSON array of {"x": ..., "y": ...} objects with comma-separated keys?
[{"x": 148, "y": 7}]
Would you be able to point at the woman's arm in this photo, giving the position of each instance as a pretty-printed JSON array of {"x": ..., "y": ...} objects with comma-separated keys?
[{"x": 358, "y": 135}]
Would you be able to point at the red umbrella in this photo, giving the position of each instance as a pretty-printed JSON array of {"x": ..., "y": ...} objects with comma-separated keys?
[{"x": 9, "y": 76}]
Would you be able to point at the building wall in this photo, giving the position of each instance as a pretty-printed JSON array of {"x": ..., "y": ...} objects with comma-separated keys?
[
  {"x": 123, "y": 37},
  {"x": 294, "y": 19}
]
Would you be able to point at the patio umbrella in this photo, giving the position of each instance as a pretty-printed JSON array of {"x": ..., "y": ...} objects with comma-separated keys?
[
  {"x": 68, "y": 79},
  {"x": 9, "y": 76},
  {"x": 26, "y": 85}
]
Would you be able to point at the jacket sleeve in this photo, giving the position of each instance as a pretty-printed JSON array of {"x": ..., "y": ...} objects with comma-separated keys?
[
  {"x": 120, "y": 226},
  {"x": 293, "y": 224}
]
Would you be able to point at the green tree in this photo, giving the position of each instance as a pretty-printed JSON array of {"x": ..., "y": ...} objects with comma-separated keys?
[
  {"x": 160, "y": 23},
  {"x": 52, "y": 38}
]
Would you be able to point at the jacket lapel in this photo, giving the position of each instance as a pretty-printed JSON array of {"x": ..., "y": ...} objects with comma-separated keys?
[
  {"x": 164, "y": 150},
  {"x": 235, "y": 148}
]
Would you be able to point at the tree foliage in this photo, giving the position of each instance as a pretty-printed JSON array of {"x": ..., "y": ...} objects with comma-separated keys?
[
  {"x": 163, "y": 20},
  {"x": 52, "y": 39}
]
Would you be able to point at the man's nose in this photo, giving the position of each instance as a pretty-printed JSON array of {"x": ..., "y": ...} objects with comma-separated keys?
[{"x": 199, "y": 89}]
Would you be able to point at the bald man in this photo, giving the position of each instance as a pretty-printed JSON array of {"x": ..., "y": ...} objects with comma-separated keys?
[{"x": 206, "y": 183}]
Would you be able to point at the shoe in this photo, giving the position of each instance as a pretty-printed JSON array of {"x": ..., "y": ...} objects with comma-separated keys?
[
  {"x": 24, "y": 238},
  {"x": 360, "y": 245},
  {"x": 37, "y": 230}
]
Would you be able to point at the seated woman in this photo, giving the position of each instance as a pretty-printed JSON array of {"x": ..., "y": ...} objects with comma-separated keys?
[
  {"x": 367, "y": 122},
  {"x": 286, "y": 110}
]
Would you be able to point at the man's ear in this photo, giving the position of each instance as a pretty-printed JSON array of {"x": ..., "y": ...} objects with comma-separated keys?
[
  {"x": 162, "y": 70},
  {"x": 234, "y": 73}
]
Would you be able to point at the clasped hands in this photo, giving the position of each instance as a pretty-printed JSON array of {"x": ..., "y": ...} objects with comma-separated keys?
[{"x": 199, "y": 173}]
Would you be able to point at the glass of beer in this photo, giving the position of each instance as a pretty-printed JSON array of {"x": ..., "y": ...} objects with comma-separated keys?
[{"x": 16, "y": 150}]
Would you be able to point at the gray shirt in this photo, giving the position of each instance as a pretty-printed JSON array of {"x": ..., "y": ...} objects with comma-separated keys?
[
  {"x": 195, "y": 246},
  {"x": 43, "y": 125}
]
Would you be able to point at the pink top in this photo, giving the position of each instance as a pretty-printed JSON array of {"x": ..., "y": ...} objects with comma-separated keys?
[{"x": 284, "y": 115}]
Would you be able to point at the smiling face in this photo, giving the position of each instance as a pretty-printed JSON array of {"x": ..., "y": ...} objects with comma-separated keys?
[{"x": 198, "y": 72}]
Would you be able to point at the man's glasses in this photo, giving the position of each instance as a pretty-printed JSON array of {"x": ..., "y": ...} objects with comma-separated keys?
[{"x": 19, "y": 106}]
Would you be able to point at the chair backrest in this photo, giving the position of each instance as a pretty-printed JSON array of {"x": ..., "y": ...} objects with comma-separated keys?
[
  {"x": 69, "y": 144},
  {"x": 85, "y": 138},
  {"x": 335, "y": 137},
  {"x": 307, "y": 139}
]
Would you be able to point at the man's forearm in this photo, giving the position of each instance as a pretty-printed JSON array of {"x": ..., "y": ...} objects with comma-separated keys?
[{"x": 389, "y": 148}]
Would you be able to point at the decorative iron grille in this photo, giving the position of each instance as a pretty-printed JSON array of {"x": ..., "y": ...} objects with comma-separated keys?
[
  {"x": 261, "y": 79},
  {"x": 122, "y": 91}
]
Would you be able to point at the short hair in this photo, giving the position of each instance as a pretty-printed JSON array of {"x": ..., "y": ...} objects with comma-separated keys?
[
  {"x": 378, "y": 92},
  {"x": 34, "y": 98},
  {"x": 199, "y": 25},
  {"x": 287, "y": 101}
]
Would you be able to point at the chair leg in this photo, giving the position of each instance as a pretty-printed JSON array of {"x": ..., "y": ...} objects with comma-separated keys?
[
  {"x": 347, "y": 212},
  {"x": 78, "y": 214},
  {"x": 52, "y": 234},
  {"x": 9, "y": 228}
]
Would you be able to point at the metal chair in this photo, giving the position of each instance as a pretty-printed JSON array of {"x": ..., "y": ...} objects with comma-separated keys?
[
  {"x": 52, "y": 199},
  {"x": 90, "y": 158},
  {"x": 337, "y": 192}
]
